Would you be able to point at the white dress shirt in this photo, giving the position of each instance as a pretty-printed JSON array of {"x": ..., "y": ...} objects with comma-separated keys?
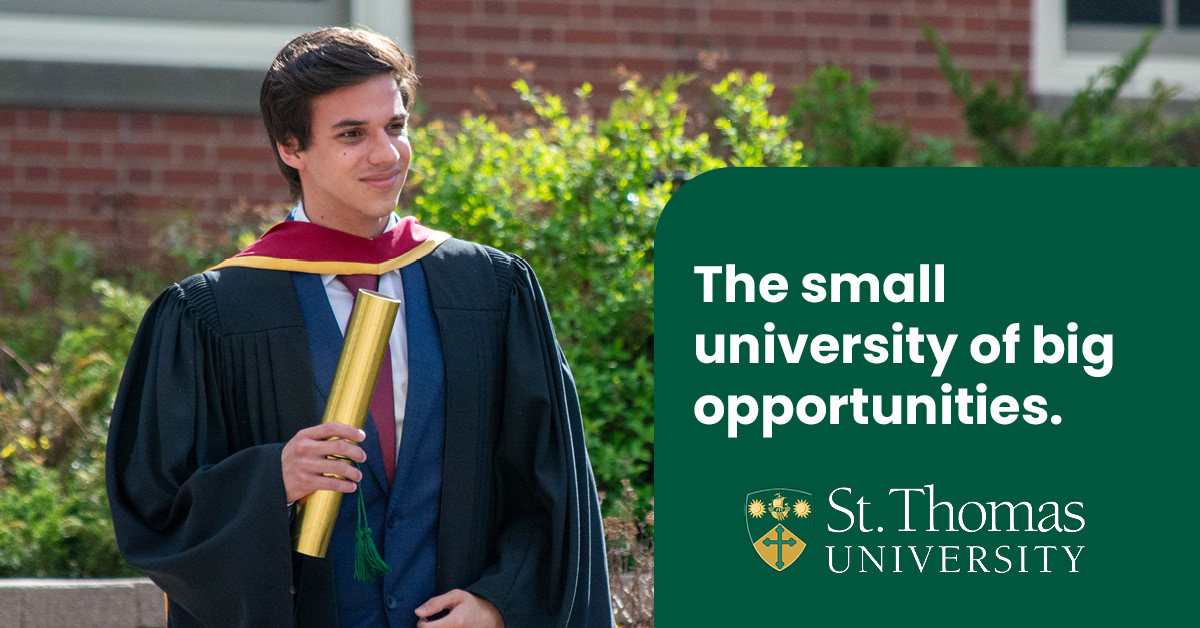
[{"x": 342, "y": 302}]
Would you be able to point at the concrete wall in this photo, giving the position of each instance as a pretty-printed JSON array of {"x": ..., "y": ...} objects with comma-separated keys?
[{"x": 118, "y": 603}]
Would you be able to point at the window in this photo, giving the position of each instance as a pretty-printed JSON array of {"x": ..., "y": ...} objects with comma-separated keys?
[
  {"x": 1073, "y": 39},
  {"x": 1117, "y": 25}
]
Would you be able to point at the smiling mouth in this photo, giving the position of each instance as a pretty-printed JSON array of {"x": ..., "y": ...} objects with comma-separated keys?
[{"x": 382, "y": 180}]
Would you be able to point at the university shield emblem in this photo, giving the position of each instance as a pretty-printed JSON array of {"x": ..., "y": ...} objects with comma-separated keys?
[{"x": 778, "y": 520}]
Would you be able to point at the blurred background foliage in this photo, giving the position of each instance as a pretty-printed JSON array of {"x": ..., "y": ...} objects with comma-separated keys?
[{"x": 576, "y": 193}]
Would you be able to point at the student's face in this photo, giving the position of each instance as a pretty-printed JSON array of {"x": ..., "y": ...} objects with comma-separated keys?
[{"x": 357, "y": 159}]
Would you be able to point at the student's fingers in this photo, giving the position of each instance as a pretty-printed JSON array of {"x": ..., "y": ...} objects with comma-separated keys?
[
  {"x": 304, "y": 461},
  {"x": 463, "y": 610},
  {"x": 437, "y": 604},
  {"x": 336, "y": 467},
  {"x": 325, "y": 431},
  {"x": 338, "y": 447},
  {"x": 322, "y": 483}
]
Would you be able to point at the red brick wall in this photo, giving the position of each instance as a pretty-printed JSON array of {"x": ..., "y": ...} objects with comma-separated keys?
[
  {"x": 96, "y": 172},
  {"x": 92, "y": 171},
  {"x": 464, "y": 46}
]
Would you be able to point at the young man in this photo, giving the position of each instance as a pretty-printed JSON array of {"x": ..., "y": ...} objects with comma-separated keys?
[{"x": 474, "y": 480}]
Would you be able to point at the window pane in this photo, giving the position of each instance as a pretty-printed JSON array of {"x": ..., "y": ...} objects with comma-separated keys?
[
  {"x": 1138, "y": 12},
  {"x": 1189, "y": 12}
]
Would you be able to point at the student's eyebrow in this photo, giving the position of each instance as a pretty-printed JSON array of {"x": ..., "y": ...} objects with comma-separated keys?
[{"x": 352, "y": 123}]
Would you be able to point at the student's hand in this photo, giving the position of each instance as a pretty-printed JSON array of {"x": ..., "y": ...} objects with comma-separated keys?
[
  {"x": 466, "y": 611},
  {"x": 305, "y": 464}
]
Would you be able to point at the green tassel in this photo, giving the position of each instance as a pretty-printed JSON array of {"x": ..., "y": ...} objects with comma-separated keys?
[{"x": 368, "y": 564}]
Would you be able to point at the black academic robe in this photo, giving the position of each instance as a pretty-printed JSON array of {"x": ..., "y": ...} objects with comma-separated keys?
[{"x": 220, "y": 377}]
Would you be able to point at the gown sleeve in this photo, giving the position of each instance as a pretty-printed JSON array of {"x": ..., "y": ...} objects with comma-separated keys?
[
  {"x": 550, "y": 566},
  {"x": 202, "y": 514}
]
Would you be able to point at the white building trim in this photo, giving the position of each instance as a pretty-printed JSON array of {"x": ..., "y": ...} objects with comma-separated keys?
[{"x": 177, "y": 43}]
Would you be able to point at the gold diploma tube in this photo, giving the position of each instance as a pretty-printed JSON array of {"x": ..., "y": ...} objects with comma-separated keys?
[{"x": 349, "y": 400}]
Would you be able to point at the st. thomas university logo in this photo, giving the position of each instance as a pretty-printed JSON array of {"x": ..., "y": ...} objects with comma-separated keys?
[{"x": 778, "y": 520}]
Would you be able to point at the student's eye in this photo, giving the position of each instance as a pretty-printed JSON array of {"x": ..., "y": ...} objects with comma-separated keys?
[
  {"x": 350, "y": 134},
  {"x": 399, "y": 127}
]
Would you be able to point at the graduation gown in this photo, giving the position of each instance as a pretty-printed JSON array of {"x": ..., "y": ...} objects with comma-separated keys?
[{"x": 220, "y": 378}]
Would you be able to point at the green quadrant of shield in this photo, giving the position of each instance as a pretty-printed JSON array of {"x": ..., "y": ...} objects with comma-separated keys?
[{"x": 779, "y": 523}]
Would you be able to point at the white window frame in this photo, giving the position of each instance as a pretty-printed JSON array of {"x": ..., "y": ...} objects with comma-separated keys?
[
  {"x": 1058, "y": 72},
  {"x": 177, "y": 43}
]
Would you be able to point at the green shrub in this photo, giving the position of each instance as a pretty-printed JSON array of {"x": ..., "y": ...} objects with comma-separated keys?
[
  {"x": 579, "y": 197},
  {"x": 47, "y": 289},
  {"x": 1096, "y": 129},
  {"x": 57, "y": 524},
  {"x": 54, "y": 518},
  {"x": 835, "y": 117},
  {"x": 753, "y": 135},
  {"x": 57, "y": 416}
]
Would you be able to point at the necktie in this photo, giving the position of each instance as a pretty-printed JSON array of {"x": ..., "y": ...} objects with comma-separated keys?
[{"x": 383, "y": 405}]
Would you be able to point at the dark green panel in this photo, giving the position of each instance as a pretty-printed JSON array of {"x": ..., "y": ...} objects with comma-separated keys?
[{"x": 1034, "y": 247}]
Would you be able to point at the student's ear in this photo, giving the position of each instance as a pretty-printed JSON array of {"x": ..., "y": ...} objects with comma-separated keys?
[{"x": 289, "y": 153}]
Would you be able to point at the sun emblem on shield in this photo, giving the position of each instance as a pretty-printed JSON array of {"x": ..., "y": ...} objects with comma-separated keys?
[{"x": 778, "y": 540}]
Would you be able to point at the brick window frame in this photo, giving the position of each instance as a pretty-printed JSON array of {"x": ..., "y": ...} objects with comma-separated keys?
[{"x": 1057, "y": 71}]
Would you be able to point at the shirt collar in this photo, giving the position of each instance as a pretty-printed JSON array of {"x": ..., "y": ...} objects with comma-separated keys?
[{"x": 298, "y": 213}]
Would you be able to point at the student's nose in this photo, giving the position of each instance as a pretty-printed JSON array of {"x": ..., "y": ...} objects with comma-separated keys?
[{"x": 383, "y": 149}]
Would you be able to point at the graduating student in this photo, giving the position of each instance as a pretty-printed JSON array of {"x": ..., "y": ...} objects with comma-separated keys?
[{"x": 475, "y": 484}]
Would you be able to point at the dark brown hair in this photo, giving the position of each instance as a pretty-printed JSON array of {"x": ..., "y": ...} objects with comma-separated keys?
[{"x": 319, "y": 62}]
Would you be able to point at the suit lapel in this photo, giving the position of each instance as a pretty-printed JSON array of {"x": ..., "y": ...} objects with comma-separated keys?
[{"x": 422, "y": 412}]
